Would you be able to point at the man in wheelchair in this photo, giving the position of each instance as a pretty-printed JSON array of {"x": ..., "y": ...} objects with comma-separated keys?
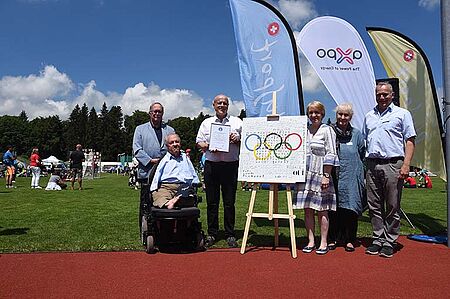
[
  {"x": 173, "y": 177},
  {"x": 173, "y": 215}
]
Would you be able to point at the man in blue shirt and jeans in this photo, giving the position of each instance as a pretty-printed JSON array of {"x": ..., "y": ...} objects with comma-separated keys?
[{"x": 390, "y": 136}]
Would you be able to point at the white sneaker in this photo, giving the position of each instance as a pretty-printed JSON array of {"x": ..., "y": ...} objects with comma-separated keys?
[{"x": 38, "y": 187}]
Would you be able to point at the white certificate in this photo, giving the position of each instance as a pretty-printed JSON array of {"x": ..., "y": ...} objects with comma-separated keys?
[{"x": 220, "y": 137}]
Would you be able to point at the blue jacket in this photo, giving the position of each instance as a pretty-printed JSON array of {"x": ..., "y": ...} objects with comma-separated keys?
[{"x": 146, "y": 146}]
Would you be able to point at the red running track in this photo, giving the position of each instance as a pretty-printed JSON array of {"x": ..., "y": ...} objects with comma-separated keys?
[{"x": 418, "y": 270}]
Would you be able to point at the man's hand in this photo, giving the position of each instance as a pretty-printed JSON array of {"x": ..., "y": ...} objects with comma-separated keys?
[
  {"x": 234, "y": 138},
  {"x": 203, "y": 145},
  {"x": 404, "y": 172},
  {"x": 154, "y": 161}
]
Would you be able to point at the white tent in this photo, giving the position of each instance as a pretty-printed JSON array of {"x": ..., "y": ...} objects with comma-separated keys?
[{"x": 51, "y": 160}]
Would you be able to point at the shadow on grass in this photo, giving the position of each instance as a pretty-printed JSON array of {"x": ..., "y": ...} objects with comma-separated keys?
[
  {"x": 426, "y": 224},
  {"x": 14, "y": 231}
]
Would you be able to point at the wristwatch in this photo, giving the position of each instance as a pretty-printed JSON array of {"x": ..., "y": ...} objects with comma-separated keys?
[{"x": 327, "y": 175}]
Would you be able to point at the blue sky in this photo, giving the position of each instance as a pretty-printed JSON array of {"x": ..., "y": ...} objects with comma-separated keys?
[{"x": 57, "y": 53}]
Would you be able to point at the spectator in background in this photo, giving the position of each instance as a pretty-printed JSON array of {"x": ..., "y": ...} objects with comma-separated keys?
[
  {"x": 76, "y": 160},
  {"x": 188, "y": 153},
  {"x": 410, "y": 182},
  {"x": 8, "y": 161},
  {"x": 55, "y": 182},
  {"x": 35, "y": 166}
]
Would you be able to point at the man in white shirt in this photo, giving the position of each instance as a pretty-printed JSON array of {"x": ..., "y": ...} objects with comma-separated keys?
[{"x": 221, "y": 171}]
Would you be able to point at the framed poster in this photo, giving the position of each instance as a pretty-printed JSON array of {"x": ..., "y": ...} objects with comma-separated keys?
[{"x": 273, "y": 151}]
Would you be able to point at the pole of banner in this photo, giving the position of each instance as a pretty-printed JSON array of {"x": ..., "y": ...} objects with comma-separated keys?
[
  {"x": 273, "y": 203},
  {"x": 273, "y": 192},
  {"x": 445, "y": 31}
]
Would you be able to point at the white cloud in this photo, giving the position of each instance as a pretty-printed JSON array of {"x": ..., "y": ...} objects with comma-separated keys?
[
  {"x": 53, "y": 93},
  {"x": 310, "y": 81},
  {"x": 38, "y": 95},
  {"x": 429, "y": 4},
  {"x": 297, "y": 12},
  {"x": 176, "y": 102}
]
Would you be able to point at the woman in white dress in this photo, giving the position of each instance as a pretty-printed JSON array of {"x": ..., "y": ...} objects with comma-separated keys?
[{"x": 317, "y": 193}]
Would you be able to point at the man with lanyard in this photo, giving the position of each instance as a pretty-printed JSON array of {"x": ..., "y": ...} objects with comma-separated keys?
[
  {"x": 148, "y": 148},
  {"x": 390, "y": 136},
  {"x": 8, "y": 161},
  {"x": 221, "y": 171},
  {"x": 175, "y": 170}
]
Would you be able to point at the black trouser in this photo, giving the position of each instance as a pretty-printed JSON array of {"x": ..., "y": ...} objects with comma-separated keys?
[
  {"x": 144, "y": 199},
  {"x": 221, "y": 176},
  {"x": 343, "y": 226}
]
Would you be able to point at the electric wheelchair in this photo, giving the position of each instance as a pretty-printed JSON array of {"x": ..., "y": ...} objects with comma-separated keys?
[{"x": 178, "y": 228}]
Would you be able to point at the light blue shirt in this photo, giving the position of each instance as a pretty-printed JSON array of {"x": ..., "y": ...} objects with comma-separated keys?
[
  {"x": 387, "y": 132},
  {"x": 171, "y": 169},
  {"x": 8, "y": 158}
]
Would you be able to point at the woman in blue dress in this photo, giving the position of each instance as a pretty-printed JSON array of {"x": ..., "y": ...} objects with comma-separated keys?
[
  {"x": 349, "y": 179},
  {"x": 317, "y": 193}
]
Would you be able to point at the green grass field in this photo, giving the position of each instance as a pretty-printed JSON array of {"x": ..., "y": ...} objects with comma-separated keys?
[{"x": 104, "y": 216}]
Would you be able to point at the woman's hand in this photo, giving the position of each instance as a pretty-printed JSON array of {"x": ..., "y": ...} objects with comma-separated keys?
[{"x": 325, "y": 182}]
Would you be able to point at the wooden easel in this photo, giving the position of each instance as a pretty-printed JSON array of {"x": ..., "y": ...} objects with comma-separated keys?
[{"x": 273, "y": 204}]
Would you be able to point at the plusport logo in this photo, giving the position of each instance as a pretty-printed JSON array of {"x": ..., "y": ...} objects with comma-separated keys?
[{"x": 339, "y": 55}]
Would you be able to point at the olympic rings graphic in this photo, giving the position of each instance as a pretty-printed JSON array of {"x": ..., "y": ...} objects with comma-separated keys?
[
  {"x": 267, "y": 142},
  {"x": 258, "y": 144},
  {"x": 289, "y": 151},
  {"x": 263, "y": 157},
  {"x": 299, "y": 143},
  {"x": 273, "y": 142}
]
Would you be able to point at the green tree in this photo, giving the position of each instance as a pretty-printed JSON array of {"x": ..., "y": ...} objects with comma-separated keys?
[
  {"x": 47, "y": 134},
  {"x": 14, "y": 130},
  {"x": 83, "y": 124},
  {"x": 112, "y": 133},
  {"x": 73, "y": 133},
  {"x": 93, "y": 130}
]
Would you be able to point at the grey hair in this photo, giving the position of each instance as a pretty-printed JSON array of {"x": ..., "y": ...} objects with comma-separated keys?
[
  {"x": 166, "y": 140},
  {"x": 156, "y": 103},
  {"x": 385, "y": 83},
  {"x": 344, "y": 107}
]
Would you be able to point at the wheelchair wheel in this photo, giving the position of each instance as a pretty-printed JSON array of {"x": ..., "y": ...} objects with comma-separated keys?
[
  {"x": 144, "y": 229},
  {"x": 150, "y": 246},
  {"x": 199, "y": 242}
]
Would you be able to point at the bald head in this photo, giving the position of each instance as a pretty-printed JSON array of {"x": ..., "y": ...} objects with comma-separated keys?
[{"x": 220, "y": 104}]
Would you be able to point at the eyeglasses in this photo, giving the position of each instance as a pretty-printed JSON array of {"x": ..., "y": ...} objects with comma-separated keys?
[
  {"x": 384, "y": 95},
  {"x": 156, "y": 111}
]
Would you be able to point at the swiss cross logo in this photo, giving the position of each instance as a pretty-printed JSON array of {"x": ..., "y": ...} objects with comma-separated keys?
[
  {"x": 273, "y": 28},
  {"x": 408, "y": 55}
]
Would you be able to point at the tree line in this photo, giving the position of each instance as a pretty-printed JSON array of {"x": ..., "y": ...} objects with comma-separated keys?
[{"x": 109, "y": 132}]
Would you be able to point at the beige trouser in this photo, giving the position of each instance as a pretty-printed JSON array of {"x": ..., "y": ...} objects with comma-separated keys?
[{"x": 165, "y": 193}]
